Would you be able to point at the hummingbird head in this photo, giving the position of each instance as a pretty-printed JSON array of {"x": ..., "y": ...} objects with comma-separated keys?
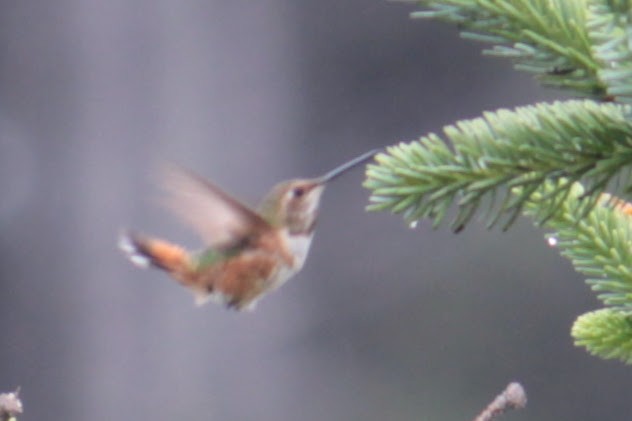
[{"x": 294, "y": 204}]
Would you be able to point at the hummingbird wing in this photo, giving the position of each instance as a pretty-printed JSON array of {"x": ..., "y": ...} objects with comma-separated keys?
[{"x": 222, "y": 221}]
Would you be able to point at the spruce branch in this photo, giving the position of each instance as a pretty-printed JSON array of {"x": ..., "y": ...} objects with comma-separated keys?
[
  {"x": 495, "y": 154},
  {"x": 550, "y": 161},
  {"x": 548, "y": 38},
  {"x": 610, "y": 30},
  {"x": 606, "y": 333},
  {"x": 599, "y": 244}
]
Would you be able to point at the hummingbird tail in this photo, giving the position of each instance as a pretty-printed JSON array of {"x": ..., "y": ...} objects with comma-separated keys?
[{"x": 144, "y": 251}]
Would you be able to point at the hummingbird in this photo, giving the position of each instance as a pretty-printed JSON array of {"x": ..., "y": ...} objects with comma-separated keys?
[{"x": 247, "y": 253}]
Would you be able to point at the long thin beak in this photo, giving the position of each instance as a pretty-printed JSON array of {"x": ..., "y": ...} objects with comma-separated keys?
[{"x": 336, "y": 172}]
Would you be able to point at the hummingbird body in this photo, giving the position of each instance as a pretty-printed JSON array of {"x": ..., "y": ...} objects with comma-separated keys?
[
  {"x": 247, "y": 253},
  {"x": 236, "y": 279}
]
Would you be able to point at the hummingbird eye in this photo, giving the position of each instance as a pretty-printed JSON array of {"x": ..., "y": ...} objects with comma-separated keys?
[{"x": 298, "y": 191}]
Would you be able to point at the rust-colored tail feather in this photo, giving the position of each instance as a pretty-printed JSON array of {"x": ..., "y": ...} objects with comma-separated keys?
[{"x": 144, "y": 251}]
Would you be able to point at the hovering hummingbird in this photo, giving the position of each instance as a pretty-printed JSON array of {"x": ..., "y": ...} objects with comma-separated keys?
[{"x": 247, "y": 253}]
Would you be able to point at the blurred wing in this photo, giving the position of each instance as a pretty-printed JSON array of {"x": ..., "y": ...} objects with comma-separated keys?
[{"x": 221, "y": 220}]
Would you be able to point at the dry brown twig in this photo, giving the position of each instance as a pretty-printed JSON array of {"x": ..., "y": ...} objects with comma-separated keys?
[
  {"x": 513, "y": 397},
  {"x": 10, "y": 405}
]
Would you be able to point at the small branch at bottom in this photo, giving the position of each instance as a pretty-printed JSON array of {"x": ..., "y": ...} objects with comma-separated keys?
[
  {"x": 10, "y": 405},
  {"x": 513, "y": 397}
]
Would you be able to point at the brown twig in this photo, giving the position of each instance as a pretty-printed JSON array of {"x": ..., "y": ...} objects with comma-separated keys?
[
  {"x": 10, "y": 405},
  {"x": 513, "y": 397}
]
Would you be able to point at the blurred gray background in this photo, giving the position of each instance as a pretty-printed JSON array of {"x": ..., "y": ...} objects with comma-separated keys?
[{"x": 383, "y": 323}]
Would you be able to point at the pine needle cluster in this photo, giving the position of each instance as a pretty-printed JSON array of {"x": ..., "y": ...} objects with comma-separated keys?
[{"x": 565, "y": 164}]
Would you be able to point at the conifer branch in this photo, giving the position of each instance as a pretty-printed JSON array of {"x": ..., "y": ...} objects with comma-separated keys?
[
  {"x": 548, "y": 38},
  {"x": 599, "y": 244},
  {"x": 606, "y": 333},
  {"x": 609, "y": 24},
  {"x": 550, "y": 161},
  {"x": 501, "y": 151}
]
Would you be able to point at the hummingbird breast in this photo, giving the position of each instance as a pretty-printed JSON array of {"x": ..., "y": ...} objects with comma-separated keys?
[
  {"x": 241, "y": 280},
  {"x": 298, "y": 247}
]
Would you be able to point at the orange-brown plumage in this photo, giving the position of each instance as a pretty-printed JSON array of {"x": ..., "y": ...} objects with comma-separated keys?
[
  {"x": 161, "y": 254},
  {"x": 236, "y": 280},
  {"x": 247, "y": 253}
]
